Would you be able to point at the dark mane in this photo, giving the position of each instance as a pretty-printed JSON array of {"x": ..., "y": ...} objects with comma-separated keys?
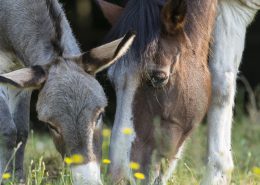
[
  {"x": 143, "y": 17},
  {"x": 56, "y": 18}
]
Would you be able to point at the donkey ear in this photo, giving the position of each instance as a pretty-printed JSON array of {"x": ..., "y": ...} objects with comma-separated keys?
[
  {"x": 103, "y": 56},
  {"x": 111, "y": 11},
  {"x": 25, "y": 78},
  {"x": 173, "y": 15}
]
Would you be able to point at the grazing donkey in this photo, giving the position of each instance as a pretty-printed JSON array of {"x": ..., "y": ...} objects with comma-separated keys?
[
  {"x": 229, "y": 36},
  {"x": 162, "y": 85},
  {"x": 38, "y": 50}
]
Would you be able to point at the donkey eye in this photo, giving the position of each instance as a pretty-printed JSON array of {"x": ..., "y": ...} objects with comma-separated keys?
[
  {"x": 99, "y": 119},
  {"x": 158, "y": 79},
  {"x": 53, "y": 129}
]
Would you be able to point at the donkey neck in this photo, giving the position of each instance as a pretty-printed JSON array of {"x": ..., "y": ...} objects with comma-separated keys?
[{"x": 28, "y": 29}]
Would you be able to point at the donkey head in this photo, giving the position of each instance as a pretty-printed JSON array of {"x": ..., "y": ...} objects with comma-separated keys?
[
  {"x": 165, "y": 89},
  {"x": 72, "y": 102}
]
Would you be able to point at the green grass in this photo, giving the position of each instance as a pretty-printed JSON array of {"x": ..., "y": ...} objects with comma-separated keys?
[
  {"x": 246, "y": 154},
  {"x": 44, "y": 165}
]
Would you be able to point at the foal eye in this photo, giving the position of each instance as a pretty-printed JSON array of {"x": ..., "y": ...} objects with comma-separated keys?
[{"x": 158, "y": 79}]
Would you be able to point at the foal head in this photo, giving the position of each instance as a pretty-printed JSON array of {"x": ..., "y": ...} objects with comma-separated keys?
[{"x": 162, "y": 84}]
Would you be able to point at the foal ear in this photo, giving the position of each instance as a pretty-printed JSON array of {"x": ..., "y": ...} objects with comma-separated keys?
[
  {"x": 111, "y": 11},
  {"x": 173, "y": 15},
  {"x": 103, "y": 56},
  {"x": 31, "y": 77}
]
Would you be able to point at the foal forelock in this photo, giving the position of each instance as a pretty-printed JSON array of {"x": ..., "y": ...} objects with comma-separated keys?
[{"x": 142, "y": 16}]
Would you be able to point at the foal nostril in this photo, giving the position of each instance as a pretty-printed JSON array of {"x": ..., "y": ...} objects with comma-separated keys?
[{"x": 158, "y": 78}]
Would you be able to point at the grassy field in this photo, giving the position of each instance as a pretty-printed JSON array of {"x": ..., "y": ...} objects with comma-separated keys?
[{"x": 44, "y": 165}]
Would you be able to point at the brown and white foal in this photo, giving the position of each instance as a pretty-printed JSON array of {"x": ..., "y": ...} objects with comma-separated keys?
[{"x": 163, "y": 84}]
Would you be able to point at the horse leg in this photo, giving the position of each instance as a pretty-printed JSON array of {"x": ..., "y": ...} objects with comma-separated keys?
[
  {"x": 167, "y": 173},
  {"x": 21, "y": 119},
  {"x": 229, "y": 38},
  {"x": 157, "y": 172},
  {"x": 7, "y": 136},
  {"x": 220, "y": 163}
]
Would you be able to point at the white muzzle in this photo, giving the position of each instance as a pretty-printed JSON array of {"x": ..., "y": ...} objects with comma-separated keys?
[{"x": 86, "y": 174}]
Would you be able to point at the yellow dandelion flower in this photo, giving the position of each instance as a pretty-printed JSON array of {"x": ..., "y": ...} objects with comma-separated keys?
[
  {"x": 68, "y": 160},
  {"x": 106, "y": 132},
  {"x": 139, "y": 175},
  {"x": 256, "y": 170},
  {"x": 106, "y": 161},
  {"x": 127, "y": 131},
  {"x": 6, "y": 176},
  {"x": 77, "y": 159},
  {"x": 134, "y": 166}
]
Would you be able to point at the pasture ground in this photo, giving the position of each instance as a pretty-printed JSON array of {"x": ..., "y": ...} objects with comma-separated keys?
[{"x": 44, "y": 166}]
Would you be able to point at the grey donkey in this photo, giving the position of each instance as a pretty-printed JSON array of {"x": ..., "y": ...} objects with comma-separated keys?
[{"x": 38, "y": 50}]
